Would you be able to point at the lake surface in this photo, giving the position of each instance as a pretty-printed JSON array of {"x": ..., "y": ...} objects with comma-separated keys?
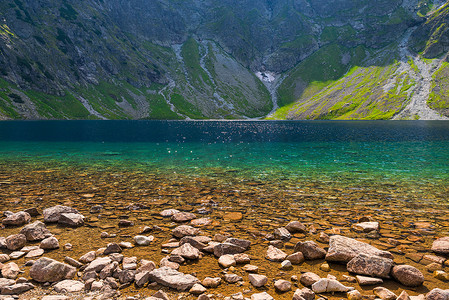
[
  {"x": 359, "y": 153},
  {"x": 241, "y": 179}
]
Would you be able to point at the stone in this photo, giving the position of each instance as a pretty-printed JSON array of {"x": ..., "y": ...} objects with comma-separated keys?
[
  {"x": 242, "y": 258},
  {"x": 185, "y": 230},
  {"x": 5, "y": 282},
  {"x": 142, "y": 278},
  {"x": 407, "y": 275},
  {"x": 437, "y": 294},
  {"x": 98, "y": 264},
  {"x": 354, "y": 295},
  {"x": 35, "y": 253},
  {"x": 16, "y": 254},
  {"x": 130, "y": 263},
  {"x": 282, "y": 234},
  {"x": 4, "y": 258},
  {"x": 49, "y": 270},
  {"x": 71, "y": 219},
  {"x": 370, "y": 265},
  {"x": 441, "y": 275},
  {"x": 146, "y": 265},
  {"x": 257, "y": 280},
  {"x": 195, "y": 241},
  {"x": 182, "y": 217},
  {"x": 403, "y": 296},
  {"x": 245, "y": 244},
  {"x": 73, "y": 262},
  {"x": 32, "y": 211},
  {"x": 197, "y": 289},
  {"x": 95, "y": 209},
  {"x": 17, "y": 219},
  {"x": 187, "y": 251},
  {"x": 261, "y": 296},
  {"x": 52, "y": 214},
  {"x": 296, "y": 258},
  {"x": 126, "y": 276},
  {"x": 49, "y": 243},
  {"x": 296, "y": 226},
  {"x": 168, "y": 212},
  {"x": 210, "y": 282},
  {"x": 177, "y": 258},
  {"x": 201, "y": 222},
  {"x": 227, "y": 260},
  {"x": 286, "y": 265},
  {"x": 304, "y": 294},
  {"x": 112, "y": 248},
  {"x": 441, "y": 245},
  {"x": 232, "y": 278},
  {"x": 251, "y": 268},
  {"x": 17, "y": 289},
  {"x": 309, "y": 278},
  {"x": 325, "y": 267},
  {"x": 142, "y": 240},
  {"x": 282, "y": 285},
  {"x": 16, "y": 241},
  {"x": 173, "y": 279},
  {"x": 69, "y": 286},
  {"x": 126, "y": 245},
  {"x": 363, "y": 280},
  {"x": 310, "y": 250},
  {"x": 343, "y": 249},
  {"x": 227, "y": 248},
  {"x": 275, "y": 254},
  {"x": 366, "y": 226},
  {"x": 10, "y": 270},
  {"x": 108, "y": 270},
  {"x": 325, "y": 285},
  {"x": 165, "y": 262},
  {"x": 384, "y": 293},
  {"x": 88, "y": 257}
]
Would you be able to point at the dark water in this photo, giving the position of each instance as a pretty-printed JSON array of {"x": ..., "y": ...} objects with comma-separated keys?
[{"x": 351, "y": 153}]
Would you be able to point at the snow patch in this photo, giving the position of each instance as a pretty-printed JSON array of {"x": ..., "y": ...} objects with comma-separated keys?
[{"x": 266, "y": 76}]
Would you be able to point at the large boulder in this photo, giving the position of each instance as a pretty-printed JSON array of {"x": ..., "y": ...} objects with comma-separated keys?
[
  {"x": 370, "y": 265},
  {"x": 49, "y": 270},
  {"x": 17, "y": 219},
  {"x": 343, "y": 249},
  {"x": 310, "y": 250},
  {"x": 173, "y": 279},
  {"x": 52, "y": 214},
  {"x": 35, "y": 231},
  {"x": 441, "y": 245},
  {"x": 407, "y": 275}
]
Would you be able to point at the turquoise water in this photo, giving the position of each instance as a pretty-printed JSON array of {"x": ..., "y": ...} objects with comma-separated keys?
[{"x": 342, "y": 153}]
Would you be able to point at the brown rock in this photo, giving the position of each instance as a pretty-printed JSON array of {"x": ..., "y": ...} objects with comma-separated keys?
[
  {"x": 257, "y": 280},
  {"x": 363, "y": 280},
  {"x": 374, "y": 266},
  {"x": 211, "y": 282},
  {"x": 49, "y": 243},
  {"x": 35, "y": 231},
  {"x": 183, "y": 217},
  {"x": 227, "y": 248},
  {"x": 49, "y": 270},
  {"x": 187, "y": 251},
  {"x": 441, "y": 245},
  {"x": 310, "y": 250},
  {"x": 17, "y": 219},
  {"x": 16, "y": 241},
  {"x": 403, "y": 296},
  {"x": 275, "y": 254},
  {"x": 384, "y": 294},
  {"x": 407, "y": 275},
  {"x": 282, "y": 285},
  {"x": 10, "y": 270},
  {"x": 185, "y": 230},
  {"x": 296, "y": 226},
  {"x": 304, "y": 294},
  {"x": 438, "y": 294},
  {"x": 309, "y": 278},
  {"x": 71, "y": 219},
  {"x": 52, "y": 214}
]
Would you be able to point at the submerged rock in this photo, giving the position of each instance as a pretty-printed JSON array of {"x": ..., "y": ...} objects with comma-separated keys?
[
  {"x": 185, "y": 230},
  {"x": 71, "y": 219},
  {"x": 441, "y": 245},
  {"x": 295, "y": 226},
  {"x": 227, "y": 248},
  {"x": 343, "y": 249}
]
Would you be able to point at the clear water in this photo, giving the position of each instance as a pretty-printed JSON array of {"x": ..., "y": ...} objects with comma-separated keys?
[{"x": 411, "y": 153}]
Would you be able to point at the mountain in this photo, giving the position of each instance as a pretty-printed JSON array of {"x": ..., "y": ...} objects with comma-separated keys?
[{"x": 228, "y": 59}]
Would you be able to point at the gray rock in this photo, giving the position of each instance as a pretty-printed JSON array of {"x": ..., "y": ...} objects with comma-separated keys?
[
  {"x": 73, "y": 262},
  {"x": 227, "y": 248},
  {"x": 370, "y": 265},
  {"x": 296, "y": 258},
  {"x": 232, "y": 278},
  {"x": 16, "y": 241},
  {"x": 173, "y": 279},
  {"x": 407, "y": 275},
  {"x": 112, "y": 248},
  {"x": 71, "y": 219},
  {"x": 88, "y": 257},
  {"x": 187, "y": 251},
  {"x": 49, "y": 270},
  {"x": 310, "y": 250},
  {"x": 5, "y": 282},
  {"x": 52, "y": 214},
  {"x": 441, "y": 245},
  {"x": 17, "y": 289},
  {"x": 142, "y": 278},
  {"x": 193, "y": 241},
  {"x": 142, "y": 240},
  {"x": 35, "y": 231},
  {"x": 245, "y": 244},
  {"x": 182, "y": 217},
  {"x": 49, "y": 243},
  {"x": 17, "y": 219},
  {"x": 69, "y": 286},
  {"x": 343, "y": 249},
  {"x": 197, "y": 289},
  {"x": 126, "y": 276}
]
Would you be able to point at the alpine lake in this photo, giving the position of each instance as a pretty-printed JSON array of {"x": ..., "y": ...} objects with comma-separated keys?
[{"x": 240, "y": 178}]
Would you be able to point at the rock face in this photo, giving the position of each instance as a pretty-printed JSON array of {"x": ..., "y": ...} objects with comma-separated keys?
[
  {"x": 17, "y": 219},
  {"x": 441, "y": 245},
  {"x": 49, "y": 270},
  {"x": 173, "y": 279},
  {"x": 370, "y": 265},
  {"x": 407, "y": 275},
  {"x": 52, "y": 214},
  {"x": 343, "y": 249},
  {"x": 310, "y": 250},
  {"x": 35, "y": 231},
  {"x": 326, "y": 285}
]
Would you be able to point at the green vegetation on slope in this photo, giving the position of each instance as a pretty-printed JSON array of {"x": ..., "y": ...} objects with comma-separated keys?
[{"x": 439, "y": 96}]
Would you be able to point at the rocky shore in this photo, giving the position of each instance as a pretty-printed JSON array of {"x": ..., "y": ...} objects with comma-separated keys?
[{"x": 188, "y": 260}]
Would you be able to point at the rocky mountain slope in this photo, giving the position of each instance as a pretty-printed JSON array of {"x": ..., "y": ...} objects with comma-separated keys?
[{"x": 173, "y": 59}]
